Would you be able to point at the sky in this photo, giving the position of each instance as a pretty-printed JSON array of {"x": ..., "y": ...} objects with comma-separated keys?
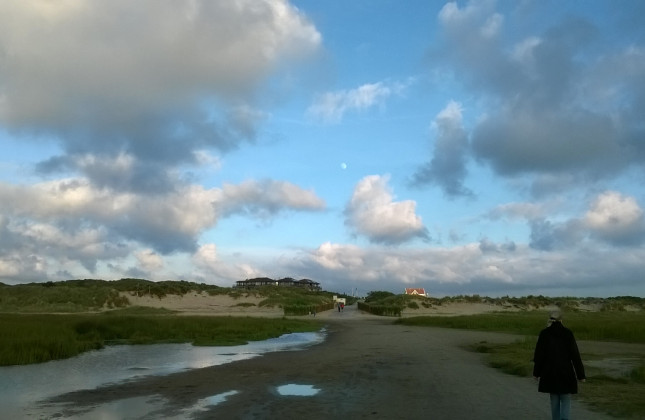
[{"x": 467, "y": 147}]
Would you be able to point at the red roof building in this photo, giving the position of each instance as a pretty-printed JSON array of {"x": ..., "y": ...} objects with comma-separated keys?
[{"x": 415, "y": 291}]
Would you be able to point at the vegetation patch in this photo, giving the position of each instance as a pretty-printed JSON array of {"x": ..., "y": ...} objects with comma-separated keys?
[
  {"x": 596, "y": 326},
  {"x": 76, "y": 296},
  {"x": 387, "y": 303},
  {"x": 34, "y": 338}
]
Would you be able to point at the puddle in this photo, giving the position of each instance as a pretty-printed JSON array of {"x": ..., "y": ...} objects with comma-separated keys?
[
  {"x": 297, "y": 390},
  {"x": 205, "y": 403},
  {"x": 38, "y": 389}
]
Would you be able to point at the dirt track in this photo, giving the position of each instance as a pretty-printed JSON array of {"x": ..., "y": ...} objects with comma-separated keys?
[{"x": 367, "y": 368}]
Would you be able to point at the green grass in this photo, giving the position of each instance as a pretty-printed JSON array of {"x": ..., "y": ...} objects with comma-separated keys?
[
  {"x": 34, "y": 338},
  {"x": 620, "y": 397},
  {"x": 621, "y": 326},
  {"x": 617, "y": 396}
]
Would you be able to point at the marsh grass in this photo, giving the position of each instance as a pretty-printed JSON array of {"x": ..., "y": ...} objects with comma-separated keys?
[
  {"x": 617, "y": 396},
  {"x": 32, "y": 338}
]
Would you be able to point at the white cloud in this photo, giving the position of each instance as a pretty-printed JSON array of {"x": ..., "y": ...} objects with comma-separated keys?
[
  {"x": 143, "y": 84},
  {"x": 332, "y": 106},
  {"x": 70, "y": 220},
  {"x": 373, "y": 213},
  {"x": 210, "y": 266},
  {"x": 338, "y": 257},
  {"x": 148, "y": 260},
  {"x": 616, "y": 218},
  {"x": 265, "y": 198},
  {"x": 467, "y": 269}
]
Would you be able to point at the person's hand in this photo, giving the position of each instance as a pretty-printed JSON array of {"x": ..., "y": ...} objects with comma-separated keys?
[{"x": 537, "y": 378}]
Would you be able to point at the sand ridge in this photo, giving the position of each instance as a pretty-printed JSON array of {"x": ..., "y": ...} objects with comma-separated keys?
[{"x": 248, "y": 304}]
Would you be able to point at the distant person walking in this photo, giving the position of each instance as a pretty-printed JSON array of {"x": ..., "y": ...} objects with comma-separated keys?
[{"x": 558, "y": 366}]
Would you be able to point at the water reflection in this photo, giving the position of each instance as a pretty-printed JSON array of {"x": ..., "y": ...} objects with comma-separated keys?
[
  {"x": 22, "y": 387},
  {"x": 206, "y": 403},
  {"x": 139, "y": 408},
  {"x": 297, "y": 390}
]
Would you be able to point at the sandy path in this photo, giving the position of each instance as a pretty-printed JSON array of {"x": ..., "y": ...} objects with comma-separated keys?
[{"x": 367, "y": 368}]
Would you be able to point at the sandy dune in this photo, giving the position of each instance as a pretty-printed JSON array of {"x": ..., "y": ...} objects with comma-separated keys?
[{"x": 249, "y": 305}]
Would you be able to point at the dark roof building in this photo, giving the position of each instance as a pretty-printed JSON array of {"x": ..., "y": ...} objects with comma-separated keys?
[{"x": 285, "y": 282}]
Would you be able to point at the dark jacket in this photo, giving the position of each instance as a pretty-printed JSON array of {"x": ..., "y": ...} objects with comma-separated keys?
[{"x": 557, "y": 361}]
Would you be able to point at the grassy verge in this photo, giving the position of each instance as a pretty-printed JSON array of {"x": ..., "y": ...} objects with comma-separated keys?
[
  {"x": 28, "y": 338},
  {"x": 616, "y": 395},
  {"x": 627, "y": 327}
]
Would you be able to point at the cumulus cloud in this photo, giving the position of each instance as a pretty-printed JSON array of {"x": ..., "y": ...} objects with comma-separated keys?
[
  {"x": 70, "y": 220},
  {"x": 559, "y": 102},
  {"x": 265, "y": 198},
  {"x": 330, "y": 107},
  {"x": 149, "y": 260},
  {"x": 447, "y": 168},
  {"x": 488, "y": 268},
  {"x": 171, "y": 79},
  {"x": 612, "y": 219},
  {"x": 372, "y": 212},
  {"x": 209, "y": 265},
  {"x": 616, "y": 218}
]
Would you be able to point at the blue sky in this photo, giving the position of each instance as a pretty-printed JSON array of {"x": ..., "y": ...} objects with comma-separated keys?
[{"x": 489, "y": 147}]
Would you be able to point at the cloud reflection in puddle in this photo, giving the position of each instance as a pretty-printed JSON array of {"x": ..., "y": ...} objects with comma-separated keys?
[{"x": 297, "y": 390}]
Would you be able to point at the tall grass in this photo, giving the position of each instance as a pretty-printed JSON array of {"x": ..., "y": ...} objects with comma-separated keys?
[{"x": 32, "y": 338}]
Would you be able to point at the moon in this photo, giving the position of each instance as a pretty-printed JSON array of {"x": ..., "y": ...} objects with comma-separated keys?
[{"x": 343, "y": 165}]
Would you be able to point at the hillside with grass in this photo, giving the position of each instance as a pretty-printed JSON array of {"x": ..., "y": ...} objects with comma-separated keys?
[
  {"x": 390, "y": 304},
  {"x": 76, "y": 296}
]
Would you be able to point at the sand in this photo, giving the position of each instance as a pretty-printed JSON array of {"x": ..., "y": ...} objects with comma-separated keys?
[
  {"x": 366, "y": 368},
  {"x": 203, "y": 304},
  {"x": 249, "y": 305}
]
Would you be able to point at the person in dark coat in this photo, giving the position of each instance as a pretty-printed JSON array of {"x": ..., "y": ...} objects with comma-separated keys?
[{"x": 558, "y": 366}]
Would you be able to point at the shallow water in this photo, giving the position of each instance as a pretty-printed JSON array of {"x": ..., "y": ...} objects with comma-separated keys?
[
  {"x": 297, "y": 390},
  {"x": 23, "y": 387}
]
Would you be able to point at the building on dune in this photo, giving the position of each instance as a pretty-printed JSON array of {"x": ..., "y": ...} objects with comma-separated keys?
[
  {"x": 419, "y": 291},
  {"x": 285, "y": 282}
]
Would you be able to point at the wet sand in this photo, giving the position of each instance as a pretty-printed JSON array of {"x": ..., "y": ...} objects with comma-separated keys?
[{"x": 366, "y": 368}]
